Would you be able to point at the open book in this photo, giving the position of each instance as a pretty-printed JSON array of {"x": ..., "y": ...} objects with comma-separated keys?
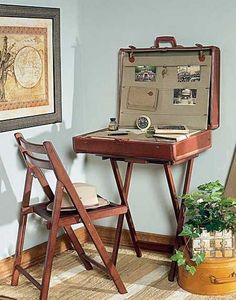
[
  {"x": 171, "y": 129},
  {"x": 175, "y": 137}
]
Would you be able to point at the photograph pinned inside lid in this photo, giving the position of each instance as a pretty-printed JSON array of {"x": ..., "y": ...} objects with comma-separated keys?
[{"x": 185, "y": 96}]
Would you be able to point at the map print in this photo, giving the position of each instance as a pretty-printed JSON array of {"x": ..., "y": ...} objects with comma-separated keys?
[
  {"x": 23, "y": 67},
  {"x": 28, "y": 67}
]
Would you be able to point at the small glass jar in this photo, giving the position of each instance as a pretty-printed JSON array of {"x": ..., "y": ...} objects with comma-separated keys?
[{"x": 112, "y": 124}]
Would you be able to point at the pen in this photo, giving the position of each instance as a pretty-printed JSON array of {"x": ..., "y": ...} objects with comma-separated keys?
[
  {"x": 118, "y": 133},
  {"x": 165, "y": 138}
]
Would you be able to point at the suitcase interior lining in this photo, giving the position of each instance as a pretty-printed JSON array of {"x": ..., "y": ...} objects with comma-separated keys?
[{"x": 157, "y": 98}]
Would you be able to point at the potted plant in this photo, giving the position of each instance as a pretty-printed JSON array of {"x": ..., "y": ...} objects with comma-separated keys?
[{"x": 209, "y": 227}]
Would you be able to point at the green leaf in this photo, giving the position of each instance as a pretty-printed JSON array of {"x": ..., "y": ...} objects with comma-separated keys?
[
  {"x": 178, "y": 255},
  {"x": 195, "y": 235},
  {"x": 181, "y": 262},
  {"x": 198, "y": 258},
  {"x": 179, "y": 258},
  {"x": 187, "y": 230},
  {"x": 229, "y": 200},
  {"x": 190, "y": 269}
]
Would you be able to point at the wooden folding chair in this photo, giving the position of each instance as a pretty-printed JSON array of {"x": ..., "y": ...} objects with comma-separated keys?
[{"x": 32, "y": 154}]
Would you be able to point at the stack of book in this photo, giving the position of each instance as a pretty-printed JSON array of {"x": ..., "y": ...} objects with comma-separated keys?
[{"x": 174, "y": 133}]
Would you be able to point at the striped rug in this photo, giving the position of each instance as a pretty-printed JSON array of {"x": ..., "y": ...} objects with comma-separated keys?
[{"x": 144, "y": 278}]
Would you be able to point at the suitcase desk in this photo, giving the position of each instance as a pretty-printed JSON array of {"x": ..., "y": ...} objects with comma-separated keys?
[{"x": 168, "y": 85}]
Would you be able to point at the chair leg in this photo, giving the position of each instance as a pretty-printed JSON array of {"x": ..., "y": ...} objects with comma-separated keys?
[
  {"x": 19, "y": 249},
  {"x": 111, "y": 269},
  {"x": 51, "y": 243},
  {"x": 22, "y": 227},
  {"x": 117, "y": 238},
  {"x": 75, "y": 242},
  {"x": 48, "y": 264}
]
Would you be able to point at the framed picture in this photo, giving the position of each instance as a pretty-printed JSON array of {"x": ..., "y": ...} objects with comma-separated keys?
[{"x": 30, "y": 66}]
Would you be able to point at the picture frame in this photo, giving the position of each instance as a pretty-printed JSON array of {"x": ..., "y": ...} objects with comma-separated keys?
[{"x": 30, "y": 66}]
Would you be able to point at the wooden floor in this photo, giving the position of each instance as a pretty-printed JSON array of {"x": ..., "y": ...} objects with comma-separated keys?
[{"x": 145, "y": 278}]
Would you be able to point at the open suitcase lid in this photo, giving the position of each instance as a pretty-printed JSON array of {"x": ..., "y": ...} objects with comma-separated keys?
[{"x": 171, "y": 85}]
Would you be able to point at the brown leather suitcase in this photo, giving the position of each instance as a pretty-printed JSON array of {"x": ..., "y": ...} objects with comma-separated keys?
[
  {"x": 168, "y": 85},
  {"x": 215, "y": 276}
]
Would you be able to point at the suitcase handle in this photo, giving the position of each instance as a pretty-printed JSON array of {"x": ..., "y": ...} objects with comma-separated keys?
[
  {"x": 230, "y": 278},
  {"x": 165, "y": 39}
]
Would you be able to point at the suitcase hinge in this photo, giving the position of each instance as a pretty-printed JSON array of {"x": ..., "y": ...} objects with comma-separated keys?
[
  {"x": 201, "y": 54},
  {"x": 131, "y": 54}
]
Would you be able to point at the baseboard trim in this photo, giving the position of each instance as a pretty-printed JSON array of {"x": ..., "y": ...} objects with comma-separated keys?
[
  {"x": 150, "y": 241},
  {"x": 36, "y": 254},
  {"x": 107, "y": 234}
]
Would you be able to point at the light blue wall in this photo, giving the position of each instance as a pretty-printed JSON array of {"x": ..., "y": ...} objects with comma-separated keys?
[
  {"x": 11, "y": 167},
  {"x": 105, "y": 26},
  {"x": 92, "y": 31}
]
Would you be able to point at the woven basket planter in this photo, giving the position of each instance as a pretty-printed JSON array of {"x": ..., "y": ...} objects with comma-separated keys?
[{"x": 215, "y": 244}]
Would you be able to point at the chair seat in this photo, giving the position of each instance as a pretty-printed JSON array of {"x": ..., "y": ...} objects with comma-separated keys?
[
  {"x": 100, "y": 203},
  {"x": 71, "y": 217}
]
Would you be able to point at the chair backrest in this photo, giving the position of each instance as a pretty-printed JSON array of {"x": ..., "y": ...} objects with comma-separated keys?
[{"x": 44, "y": 156}]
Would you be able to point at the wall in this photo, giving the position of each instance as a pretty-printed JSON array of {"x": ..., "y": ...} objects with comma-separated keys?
[
  {"x": 91, "y": 34},
  {"x": 105, "y": 26},
  {"x": 12, "y": 170}
]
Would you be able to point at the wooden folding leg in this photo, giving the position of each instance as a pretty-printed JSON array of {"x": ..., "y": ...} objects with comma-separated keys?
[
  {"x": 117, "y": 238},
  {"x": 19, "y": 249},
  {"x": 48, "y": 263},
  {"x": 109, "y": 265},
  {"x": 77, "y": 246},
  {"x": 51, "y": 242},
  {"x": 179, "y": 210},
  {"x": 123, "y": 192},
  {"x": 22, "y": 228},
  {"x": 172, "y": 189}
]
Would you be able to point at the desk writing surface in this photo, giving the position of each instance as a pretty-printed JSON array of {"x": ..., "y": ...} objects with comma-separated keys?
[{"x": 141, "y": 147}]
